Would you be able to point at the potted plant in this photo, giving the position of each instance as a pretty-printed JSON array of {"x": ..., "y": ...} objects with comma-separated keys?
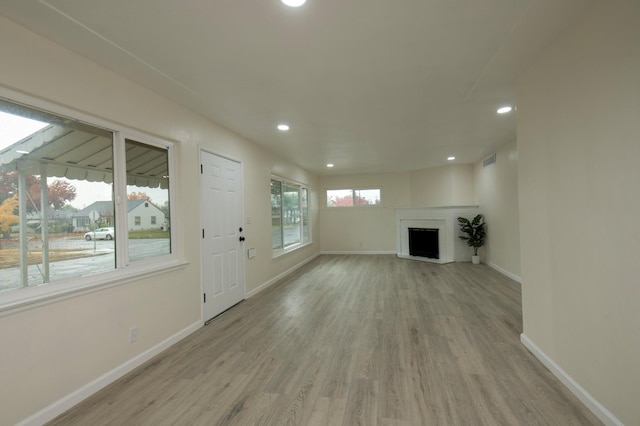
[{"x": 476, "y": 232}]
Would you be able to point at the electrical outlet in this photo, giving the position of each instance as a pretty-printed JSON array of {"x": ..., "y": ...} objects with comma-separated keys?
[{"x": 133, "y": 334}]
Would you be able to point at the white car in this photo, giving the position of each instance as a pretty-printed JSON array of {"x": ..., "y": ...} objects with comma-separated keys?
[{"x": 100, "y": 234}]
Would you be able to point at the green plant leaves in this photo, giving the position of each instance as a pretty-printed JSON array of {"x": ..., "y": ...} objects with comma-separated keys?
[{"x": 475, "y": 230}]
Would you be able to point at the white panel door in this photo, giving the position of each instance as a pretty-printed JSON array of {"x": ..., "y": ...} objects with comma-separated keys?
[{"x": 222, "y": 249}]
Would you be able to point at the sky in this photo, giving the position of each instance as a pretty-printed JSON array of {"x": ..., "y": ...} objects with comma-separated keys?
[
  {"x": 13, "y": 128},
  {"x": 88, "y": 192}
]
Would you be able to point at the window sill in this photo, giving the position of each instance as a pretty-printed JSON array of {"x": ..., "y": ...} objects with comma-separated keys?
[
  {"x": 292, "y": 248},
  {"x": 27, "y": 298}
]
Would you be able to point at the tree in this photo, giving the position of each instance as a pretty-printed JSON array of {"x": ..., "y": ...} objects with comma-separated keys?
[
  {"x": 344, "y": 201},
  {"x": 9, "y": 184},
  {"x": 348, "y": 201},
  {"x": 7, "y": 215},
  {"x": 165, "y": 209},
  {"x": 291, "y": 207},
  {"x": 59, "y": 192},
  {"x": 138, "y": 196}
]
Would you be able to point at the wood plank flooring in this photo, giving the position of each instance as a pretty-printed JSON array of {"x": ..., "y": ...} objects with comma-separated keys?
[{"x": 351, "y": 340}]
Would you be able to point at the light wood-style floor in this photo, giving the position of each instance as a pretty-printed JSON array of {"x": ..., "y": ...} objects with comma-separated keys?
[{"x": 351, "y": 340}]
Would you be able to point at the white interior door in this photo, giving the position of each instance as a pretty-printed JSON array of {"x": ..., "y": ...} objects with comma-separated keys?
[{"x": 222, "y": 249}]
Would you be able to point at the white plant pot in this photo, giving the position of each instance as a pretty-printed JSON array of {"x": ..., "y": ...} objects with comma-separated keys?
[{"x": 475, "y": 260}]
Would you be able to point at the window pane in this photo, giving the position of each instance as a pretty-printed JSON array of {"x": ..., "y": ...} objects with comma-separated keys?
[
  {"x": 56, "y": 198},
  {"x": 339, "y": 198},
  {"x": 305, "y": 215},
  {"x": 367, "y": 197},
  {"x": 291, "y": 214},
  {"x": 148, "y": 212},
  {"x": 276, "y": 215}
]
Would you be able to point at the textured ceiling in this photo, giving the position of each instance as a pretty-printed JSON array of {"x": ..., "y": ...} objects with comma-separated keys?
[{"x": 369, "y": 85}]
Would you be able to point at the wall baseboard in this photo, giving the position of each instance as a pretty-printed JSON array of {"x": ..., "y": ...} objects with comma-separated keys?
[
  {"x": 357, "y": 252},
  {"x": 503, "y": 271},
  {"x": 278, "y": 277},
  {"x": 63, "y": 404},
  {"x": 592, "y": 404}
]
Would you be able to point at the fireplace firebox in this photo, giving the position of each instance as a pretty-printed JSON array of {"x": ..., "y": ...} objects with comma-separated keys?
[{"x": 423, "y": 242}]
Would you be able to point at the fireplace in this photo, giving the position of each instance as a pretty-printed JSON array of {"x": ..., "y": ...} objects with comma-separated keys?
[
  {"x": 423, "y": 242},
  {"x": 449, "y": 247}
]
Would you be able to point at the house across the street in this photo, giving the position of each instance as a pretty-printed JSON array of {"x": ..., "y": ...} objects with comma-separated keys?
[{"x": 141, "y": 215}]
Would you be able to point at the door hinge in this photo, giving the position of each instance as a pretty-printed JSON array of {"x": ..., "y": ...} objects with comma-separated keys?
[
  {"x": 201, "y": 169},
  {"x": 205, "y": 297}
]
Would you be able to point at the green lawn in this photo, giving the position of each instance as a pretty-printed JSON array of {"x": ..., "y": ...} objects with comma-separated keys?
[{"x": 151, "y": 233}]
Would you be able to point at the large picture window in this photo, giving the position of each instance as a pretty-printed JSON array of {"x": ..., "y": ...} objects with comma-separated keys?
[
  {"x": 289, "y": 215},
  {"x": 59, "y": 218}
]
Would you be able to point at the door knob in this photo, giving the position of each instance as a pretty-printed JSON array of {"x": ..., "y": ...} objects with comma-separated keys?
[{"x": 241, "y": 238}]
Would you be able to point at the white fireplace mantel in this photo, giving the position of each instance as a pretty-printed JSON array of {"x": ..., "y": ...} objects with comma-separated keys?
[{"x": 445, "y": 219}]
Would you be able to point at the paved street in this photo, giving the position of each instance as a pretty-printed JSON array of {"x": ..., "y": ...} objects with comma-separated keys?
[{"x": 102, "y": 259}]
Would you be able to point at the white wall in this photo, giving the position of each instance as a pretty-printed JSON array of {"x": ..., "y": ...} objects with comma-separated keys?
[
  {"x": 362, "y": 229},
  {"x": 51, "y": 350},
  {"x": 373, "y": 229},
  {"x": 450, "y": 185},
  {"x": 496, "y": 192},
  {"x": 579, "y": 187}
]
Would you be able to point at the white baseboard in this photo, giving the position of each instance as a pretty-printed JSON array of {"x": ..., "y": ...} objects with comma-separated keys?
[
  {"x": 75, "y": 397},
  {"x": 503, "y": 271},
  {"x": 592, "y": 404},
  {"x": 278, "y": 277},
  {"x": 357, "y": 252}
]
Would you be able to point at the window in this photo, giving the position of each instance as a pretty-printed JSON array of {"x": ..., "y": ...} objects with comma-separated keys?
[
  {"x": 353, "y": 197},
  {"x": 58, "y": 180},
  {"x": 144, "y": 189},
  {"x": 289, "y": 215},
  {"x": 276, "y": 214},
  {"x": 304, "y": 200}
]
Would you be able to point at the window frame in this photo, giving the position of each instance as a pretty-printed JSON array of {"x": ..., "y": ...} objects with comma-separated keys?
[
  {"x": 304, "y": 239},
  {"x": 353, "y": 197},
  {"x": 124, "y": 272}
]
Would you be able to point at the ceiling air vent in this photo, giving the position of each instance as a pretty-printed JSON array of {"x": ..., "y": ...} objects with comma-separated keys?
[{"x": 489, "y": 160}]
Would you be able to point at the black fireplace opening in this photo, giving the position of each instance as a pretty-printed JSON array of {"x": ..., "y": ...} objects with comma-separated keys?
[{"x": 423, "y": 242}]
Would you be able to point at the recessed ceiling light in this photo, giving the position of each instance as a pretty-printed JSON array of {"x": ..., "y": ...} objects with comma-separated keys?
[
  {"x": 329, "y": 165},
  {"x": 294, "y": 3},
  {"x": 504, "y": 109},
  {"x": 283, "y": 127},
  {"x": 451, "y": 158}
]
